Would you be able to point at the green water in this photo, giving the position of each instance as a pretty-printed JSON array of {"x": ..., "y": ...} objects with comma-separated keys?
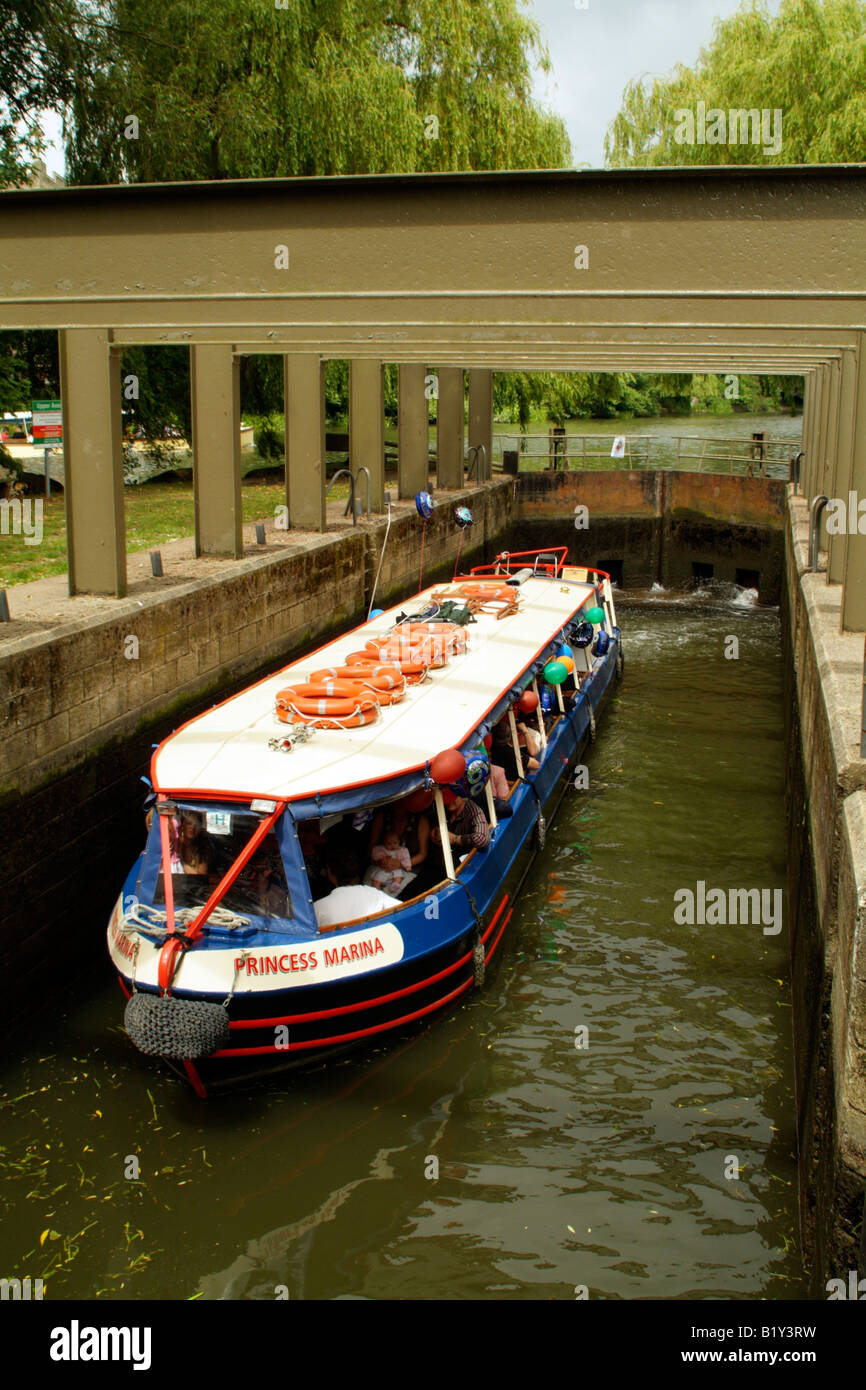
[{"x": 557, "y": 1167}]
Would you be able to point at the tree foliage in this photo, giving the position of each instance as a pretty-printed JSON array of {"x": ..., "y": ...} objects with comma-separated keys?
[
  {"x": 808, "y": 62},
  {"x": 253, "y": 88},
  {"x": 42, "y": 57}
]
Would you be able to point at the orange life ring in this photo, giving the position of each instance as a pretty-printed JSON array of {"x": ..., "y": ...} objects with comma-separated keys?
[
  {"x": 452, "y": 633},
  {"x": 504, "y": 593},
  {"x": 407, "y": 662},
  {"x": 387, "y": 682},
  {"x": 328, "y": 704}
]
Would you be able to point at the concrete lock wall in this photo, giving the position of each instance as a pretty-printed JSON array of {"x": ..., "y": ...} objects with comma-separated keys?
[
  {"x": 826, "y": 827},
  {"x": 80, "y": 715},
  {"x": 652, "y": 526}
]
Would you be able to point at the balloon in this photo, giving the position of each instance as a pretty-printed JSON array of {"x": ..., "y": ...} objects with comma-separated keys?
[
  {"x": 555, "y": 672},
  {"x": 595, "y": 616},
  {"x": 424, "y": 503},
  {"x": 448, "y": 766},
  {"x": 463, "y": 516},
  {"x": 417, "y": 801},
  {"x": 475, "y": 776},
  {"x": 488, "y": 741},
  {"x": 448, "y": 796},
  {"x": 584, "y": 635},
  {"x": 602, "y": 642},
  {"x": 568, "y": 663},
  {"x": 528, "y": 702},
  {"x": 563, "y": 650},
  {"x": 376, "y": 613}
]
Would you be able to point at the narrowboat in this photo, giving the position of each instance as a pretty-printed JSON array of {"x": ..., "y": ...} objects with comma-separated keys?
[{"x": 327, "y": 859}]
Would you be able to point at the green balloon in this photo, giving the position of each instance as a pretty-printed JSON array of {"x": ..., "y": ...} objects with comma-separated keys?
[
  {"x": 595, "y": 616},
  {"x": 555, "y": 673}
]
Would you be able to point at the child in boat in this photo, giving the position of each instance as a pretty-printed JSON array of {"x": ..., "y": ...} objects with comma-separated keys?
[{"x": 392, "y": 864}]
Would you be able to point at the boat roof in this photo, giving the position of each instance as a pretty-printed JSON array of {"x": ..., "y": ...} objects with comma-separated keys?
[{"x": 224, "y": 753}]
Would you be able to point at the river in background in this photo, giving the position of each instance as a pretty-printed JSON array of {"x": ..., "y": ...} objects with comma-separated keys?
[{"x": 492, "y": 1155}]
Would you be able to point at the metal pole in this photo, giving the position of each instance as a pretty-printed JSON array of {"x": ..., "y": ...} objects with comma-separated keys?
[
  {"x": 47, "y": 474},
  {"x": 444, "y": 834}
]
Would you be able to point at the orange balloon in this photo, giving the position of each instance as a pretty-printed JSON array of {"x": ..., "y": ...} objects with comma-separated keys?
[{"x": 568, "y": 663}]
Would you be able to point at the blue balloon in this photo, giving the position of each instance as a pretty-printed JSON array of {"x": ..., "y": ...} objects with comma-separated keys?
[
  {"x": 463, "y": 516},
  {"x": 376, "y": 613},
  {"x": 564, "y": 650},
  {"x": 475, "y": 776},
  {"x": 424, "y": 504}
]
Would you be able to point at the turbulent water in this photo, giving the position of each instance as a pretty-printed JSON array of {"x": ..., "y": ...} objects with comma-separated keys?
[{"x": 613, "y": 1112}]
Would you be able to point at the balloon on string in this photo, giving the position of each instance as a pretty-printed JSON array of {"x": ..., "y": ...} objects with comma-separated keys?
[
  {"x": 555, "y": 672},
  {"x": 563, "y": 650},
  {"x": 376, "y": 613},
  {"x": 418, "y": 801},
  {"x": 528, "y": 702},
  {"x": 568, "y": 663},
  {"x": 448, "y": 766},
  {"x": 424, "y": 504},
  {"x": 595, "y": 616},
  {"x": 475, "y": 776},
  {"x": 462, "y": 516}
]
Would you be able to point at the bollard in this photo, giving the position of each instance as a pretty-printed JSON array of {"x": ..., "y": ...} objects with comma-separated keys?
[
  {"x": 4, "y": 607},
  {"x": 156, "y": 564},
  {"x": 260, "y": 532}
]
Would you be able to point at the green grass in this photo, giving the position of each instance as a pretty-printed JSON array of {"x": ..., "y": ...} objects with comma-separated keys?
[{"x": 156, "y": 513}]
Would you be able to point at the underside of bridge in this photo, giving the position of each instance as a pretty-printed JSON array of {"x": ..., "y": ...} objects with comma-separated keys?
[{"x": 682, "y": 270}]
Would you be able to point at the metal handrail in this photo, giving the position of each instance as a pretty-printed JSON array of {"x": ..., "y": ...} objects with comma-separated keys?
[
  {"x": 364, "y": 469},
  {"x": 694, "y": 453},
  {"x": 796, "y": 467},
  {"x": 476, "y": 456},
  {"x": 815, "y": 513},
  {"x": 351, "y": 502}
]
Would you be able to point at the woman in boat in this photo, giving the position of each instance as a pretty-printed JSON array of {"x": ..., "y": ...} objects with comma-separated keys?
[
  {"x": 191, "y": 848},
  {"x": 412, "y": 829}
]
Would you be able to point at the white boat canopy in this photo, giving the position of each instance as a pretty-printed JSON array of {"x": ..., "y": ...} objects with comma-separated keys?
[{"x": 224, "y": 753}]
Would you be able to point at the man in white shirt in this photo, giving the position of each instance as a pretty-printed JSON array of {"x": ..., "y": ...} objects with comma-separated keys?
[{"x": 349, "y": 898}]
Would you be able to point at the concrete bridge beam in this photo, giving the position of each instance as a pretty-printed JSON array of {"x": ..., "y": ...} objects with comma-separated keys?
[
  {"x": 367, "y": 425},
  {"x": 305, "y": 440},
  {"x": 481, "y": 413},
  {"x": 216, "y": 420},
  {"x": 412, "y": 440},
  {"x": 449, "y": 428},
  {"x": 93, "y": 460}
]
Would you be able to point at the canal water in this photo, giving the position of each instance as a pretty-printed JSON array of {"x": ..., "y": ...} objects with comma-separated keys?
[{"x": 614, "y": 1112}]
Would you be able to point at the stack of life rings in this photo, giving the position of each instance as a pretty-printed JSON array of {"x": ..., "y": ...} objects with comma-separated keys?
[
  {"x": 485, "y": 596},
  {"x": 350, "y": 696}
]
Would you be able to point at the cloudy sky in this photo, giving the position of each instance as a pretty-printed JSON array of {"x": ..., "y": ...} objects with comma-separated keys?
[{"x": 595, "y": 51}]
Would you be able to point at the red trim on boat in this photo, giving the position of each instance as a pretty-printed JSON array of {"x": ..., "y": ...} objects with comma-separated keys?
[{"x": 251, "y": 1023}]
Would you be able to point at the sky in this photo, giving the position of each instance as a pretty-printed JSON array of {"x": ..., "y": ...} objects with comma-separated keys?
[{"x": 595, "y": 51}]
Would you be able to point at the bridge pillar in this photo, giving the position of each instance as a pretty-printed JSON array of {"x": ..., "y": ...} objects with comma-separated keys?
[
  {"x": 831, "y": 426},
  {"x": 367, "y": 426},
  {"x": 216, "y": 437},
  {"x": 840, "y": 483},
  {"x": 481, "y": 413},
  {"x": 412, "y": 440},
  {"x": 808, "y": 402},
  {"x": 449, "y": 428},
  {"x": 854, "y": 590},
  {"x": 93, "y": 462},
  {"x": 305, "y": 440}
]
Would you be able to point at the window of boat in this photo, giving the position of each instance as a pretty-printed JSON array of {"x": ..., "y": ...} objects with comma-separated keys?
[{"x": 204, "y": 843}]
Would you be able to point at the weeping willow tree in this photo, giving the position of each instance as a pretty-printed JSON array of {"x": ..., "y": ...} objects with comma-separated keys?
[
  {"x": 808, "y": 63},
  {"x": 213, "y": 89}
]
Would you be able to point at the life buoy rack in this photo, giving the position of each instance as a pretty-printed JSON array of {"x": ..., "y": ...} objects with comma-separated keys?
[{"x": 327, "y": 704}]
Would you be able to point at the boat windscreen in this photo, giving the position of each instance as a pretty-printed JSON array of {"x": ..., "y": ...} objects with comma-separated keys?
[{"x": 204, "y": 845}]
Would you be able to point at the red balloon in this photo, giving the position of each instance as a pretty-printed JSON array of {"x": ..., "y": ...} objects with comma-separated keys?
[
  {"x": 448, "y": 766},
  {"x": 488, "y": 741},
  {"x": 418, "y": 801},
  {"x": 528, "y": 702}
]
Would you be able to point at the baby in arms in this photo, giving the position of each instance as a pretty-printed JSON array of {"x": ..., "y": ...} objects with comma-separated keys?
[{"x": 392, "y": 863}]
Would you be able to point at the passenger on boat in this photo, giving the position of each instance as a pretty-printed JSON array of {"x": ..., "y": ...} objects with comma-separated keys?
[
  {"x": 411, "y": 827},
  {"x": 392, "y": 864},
  {"x": 191, "y": 847},
  {"x": 349, "y": 897},
  {"x": 467, "y": 824},
  {"x": 503, "y": 748}
]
